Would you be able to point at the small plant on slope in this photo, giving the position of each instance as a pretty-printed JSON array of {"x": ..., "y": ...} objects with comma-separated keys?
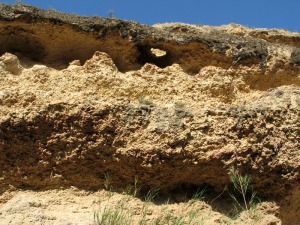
[
  {"x": 242, "y": 184},
  {"x": 133, "y": 190},
  {"x": 110, "y": 215},
  {"x": 199, "y": 195},
  {"x": 107, "y": 182}
]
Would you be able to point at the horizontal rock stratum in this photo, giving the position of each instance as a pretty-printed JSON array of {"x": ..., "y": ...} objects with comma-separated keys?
[{"x": 174, "y": 105}]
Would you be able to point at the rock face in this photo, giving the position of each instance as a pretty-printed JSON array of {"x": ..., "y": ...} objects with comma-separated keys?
[{"x": 175, "y": 105}]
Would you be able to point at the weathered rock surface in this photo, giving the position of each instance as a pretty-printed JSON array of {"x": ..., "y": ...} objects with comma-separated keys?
[{"x": 219, "y": 97}]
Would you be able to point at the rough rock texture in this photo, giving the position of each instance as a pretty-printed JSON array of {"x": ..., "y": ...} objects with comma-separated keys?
[{"x": 83, "y": 97}]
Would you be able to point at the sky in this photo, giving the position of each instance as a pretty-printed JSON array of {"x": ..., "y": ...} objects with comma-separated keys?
[{"x": 284, "y": 14}]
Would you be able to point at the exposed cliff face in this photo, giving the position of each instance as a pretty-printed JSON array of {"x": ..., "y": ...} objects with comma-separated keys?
[{"x": 216, "y": 97}]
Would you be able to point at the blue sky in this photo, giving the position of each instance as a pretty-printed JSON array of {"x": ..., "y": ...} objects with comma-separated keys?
[{"x": 253, "y": 13}]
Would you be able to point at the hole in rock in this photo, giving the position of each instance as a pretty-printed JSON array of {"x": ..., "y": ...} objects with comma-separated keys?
[{"x": 155, "y": 56}]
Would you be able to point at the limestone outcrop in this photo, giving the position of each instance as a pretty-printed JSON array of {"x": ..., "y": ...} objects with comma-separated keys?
[{"x": 175, "y": 105}]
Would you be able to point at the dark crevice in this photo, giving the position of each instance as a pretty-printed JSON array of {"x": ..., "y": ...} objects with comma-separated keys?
[
  {"x": 146, "y": 56},
  {"x": 18, "y": 41}
]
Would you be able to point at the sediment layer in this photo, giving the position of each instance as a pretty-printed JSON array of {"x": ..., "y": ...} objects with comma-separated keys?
[{"x": 83, "y": 97}]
